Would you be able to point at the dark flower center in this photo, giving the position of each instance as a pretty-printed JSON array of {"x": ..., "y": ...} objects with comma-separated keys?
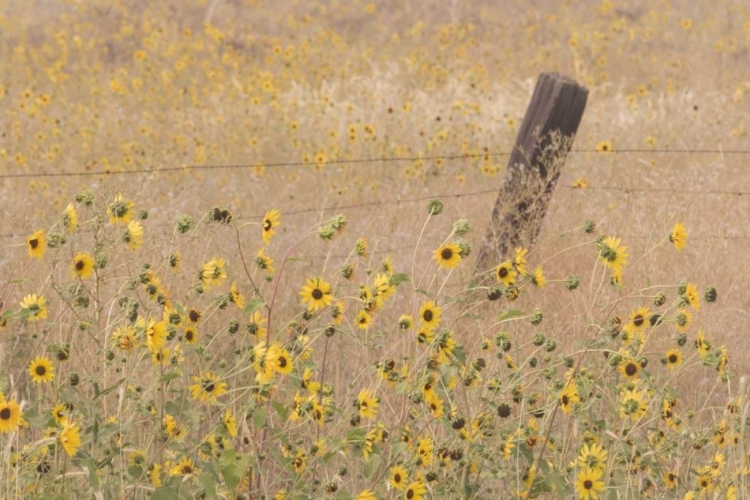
[
  {"x": 267, "y": 224},
  {"x": 186, "y": 469},
  {"x": 638, "y": 320},
  {"x": 446, "y": 254},
  {"x": 194, "y": 316},
  {"x": 209, "y": 387},
  {"x": 673, "y": 358},
  {"x": 410, "y": 494},
  {"x": 40, "y": 370},
  {"x": 428, "y": 315},
  {"x": 80, "y": 265},
  {"x": 282, "y": 362},
  {"x": 33, "y": 243},
  {"x": 588, "y": 484},
  {"x": 631, "y": 369},
  {"x": 317, "y": 294},
  {"x": 502, "y": 272},
  {"x": 565, "y": 400},
  {"x": 189, "y": 335},
  {"x": 397, "y": 478},
  {"x": 5, "y": 414}
]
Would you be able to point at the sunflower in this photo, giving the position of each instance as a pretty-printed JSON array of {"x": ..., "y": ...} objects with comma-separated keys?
[
  {"x": 363, "y": 319},
  {"x": 278, "y": 359},
  {"x": 264, "y": 262},
  {"x": 589, "y": 484},
  {"x": 317, "y": 294},
  {"x": 212, "y": 273},
  {"x": 256, "y": 326},
  {"x": 366, "y": 495},
  {"x": 133, "y": 235},
  {"x": 702, "y": 344},
  {"x": 207, "y": 388},
  {"x": 405, "y": 322},
  {"x": 539, "y": 279},
  {"x": 630, "y": 368},
  {"x": 505, "y": 274},
  {"x": 160, "y": 357},
  {"x": 612, "y": 254},
  {"x": 270, "y": 221},
  {"x": 399, "y": 476},
  {"x": 568, "y": 397},
  {"x": 447, "y": 256},
  {"x": 191, "y": 335},
  {"x": 683, "y": 320},
  {"x": 35, "y": 244},
  {"x": 367, "y": 404},
  {"x": 424, "y": 451},
  {"x": 300, "y": 461},
  {"x": 154, "y": 475},
  {"x": 120, "y": 210},
  {"x": 61, "y": 412},
  {"x": 633, "y": 404},
  {"x": 10, "y": 416},
  {"x": 41, "y": 370},
  {"x": 435, "y": 403},
  {"x": 229, "y": 423},
  {"x": 125, "y": 338},
  {"x": 415, "y": 491},
  {"x": 519, "y": 260},
  {"x": 70, "y": 438},
  {"x": 592, "y": 456},
  {"x": 236, "y": 296},
  {"x": 156, "y": 334},
  {"x": 34, "y": 307},
  {"x": 70, "y": 218},
  {"x": 429, "y": 315},
  {"x": 83, "y": 265},
  {"x": 185, "y": 467},
  {"x": 604, "y": 147},
  {"x": 639, "y": 319},
  {"x": 692, "y": 297},
  {"x": 678, "y": 237},
  {"x": 673, "y": 358}
]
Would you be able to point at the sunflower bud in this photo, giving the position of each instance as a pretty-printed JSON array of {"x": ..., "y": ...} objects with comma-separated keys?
[
  {"x": 461, "y": 227},
  {"x": 537, "y": 318},
  {"x": 537, "y": 339},
  {"x": 234, "y": 326},
  {"x": 682, "y": 288},
  {"x": 185, "y": 223},
  {"x": 326, "y": 233},
  {"x": 434, "y": 206},
  {"x": 589, "y": 226},
  {"x": 464, "y": 249},
  {"x": 549, "y": 345},
  {"x": 660, "y": 299},
  {"x": 572, "y": 282},
  {"x": 710, "y": 295}
]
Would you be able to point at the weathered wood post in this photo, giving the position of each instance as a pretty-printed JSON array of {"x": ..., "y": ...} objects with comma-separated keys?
[{"x": 543, "y": 142}]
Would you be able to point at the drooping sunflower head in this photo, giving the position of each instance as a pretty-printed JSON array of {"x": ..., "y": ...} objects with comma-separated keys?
[
  {"x": 270, "y": 221},
  {"x": 120, "y": 210},
  {"x": 678, "y": 237}
]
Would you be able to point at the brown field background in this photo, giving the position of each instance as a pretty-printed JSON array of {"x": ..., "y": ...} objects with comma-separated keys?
[{"x": 287, "y": 80}]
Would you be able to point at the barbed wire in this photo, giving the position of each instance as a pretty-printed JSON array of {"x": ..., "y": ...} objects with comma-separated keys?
[{"x": 356, "y": 161}]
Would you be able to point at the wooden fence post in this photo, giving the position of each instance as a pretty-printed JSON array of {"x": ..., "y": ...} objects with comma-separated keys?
[{"x": 543, "y": 142}]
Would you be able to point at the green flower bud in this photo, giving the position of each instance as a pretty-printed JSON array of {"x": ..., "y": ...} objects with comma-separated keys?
[
  {"x": 434, "y": 206},
  {"x": 572, "y": 282}
]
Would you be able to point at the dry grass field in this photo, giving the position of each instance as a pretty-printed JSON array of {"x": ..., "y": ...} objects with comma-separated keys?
[{"x": 158, "y": 380}]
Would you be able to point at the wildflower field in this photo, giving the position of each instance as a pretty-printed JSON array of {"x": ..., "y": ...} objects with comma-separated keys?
[{"x": 239, "y": 239}]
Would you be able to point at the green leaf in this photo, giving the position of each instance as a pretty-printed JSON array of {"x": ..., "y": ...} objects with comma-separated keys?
[
  {"x": 398, "y": 278},
  {"x": 510, "y": 314},
  {"x": 106, "y": 391},
  {"x": 281, "y": 410},
  {"x": 35, "y": 419},
  {"x": 90, "y": 464},
  {"x": 260, "y": 415},
  {"x": 253, "y": 305},
  {"x": 209, "y": 485},
  {"x": 233, "y": 467},
  {"x": 355, "y": 435},
  {"x": 373, "y": 465},
  {"x": 4, "y": 383},
  {"x": 425, "y": 293},
  {"x": 170, "y": 376}
]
